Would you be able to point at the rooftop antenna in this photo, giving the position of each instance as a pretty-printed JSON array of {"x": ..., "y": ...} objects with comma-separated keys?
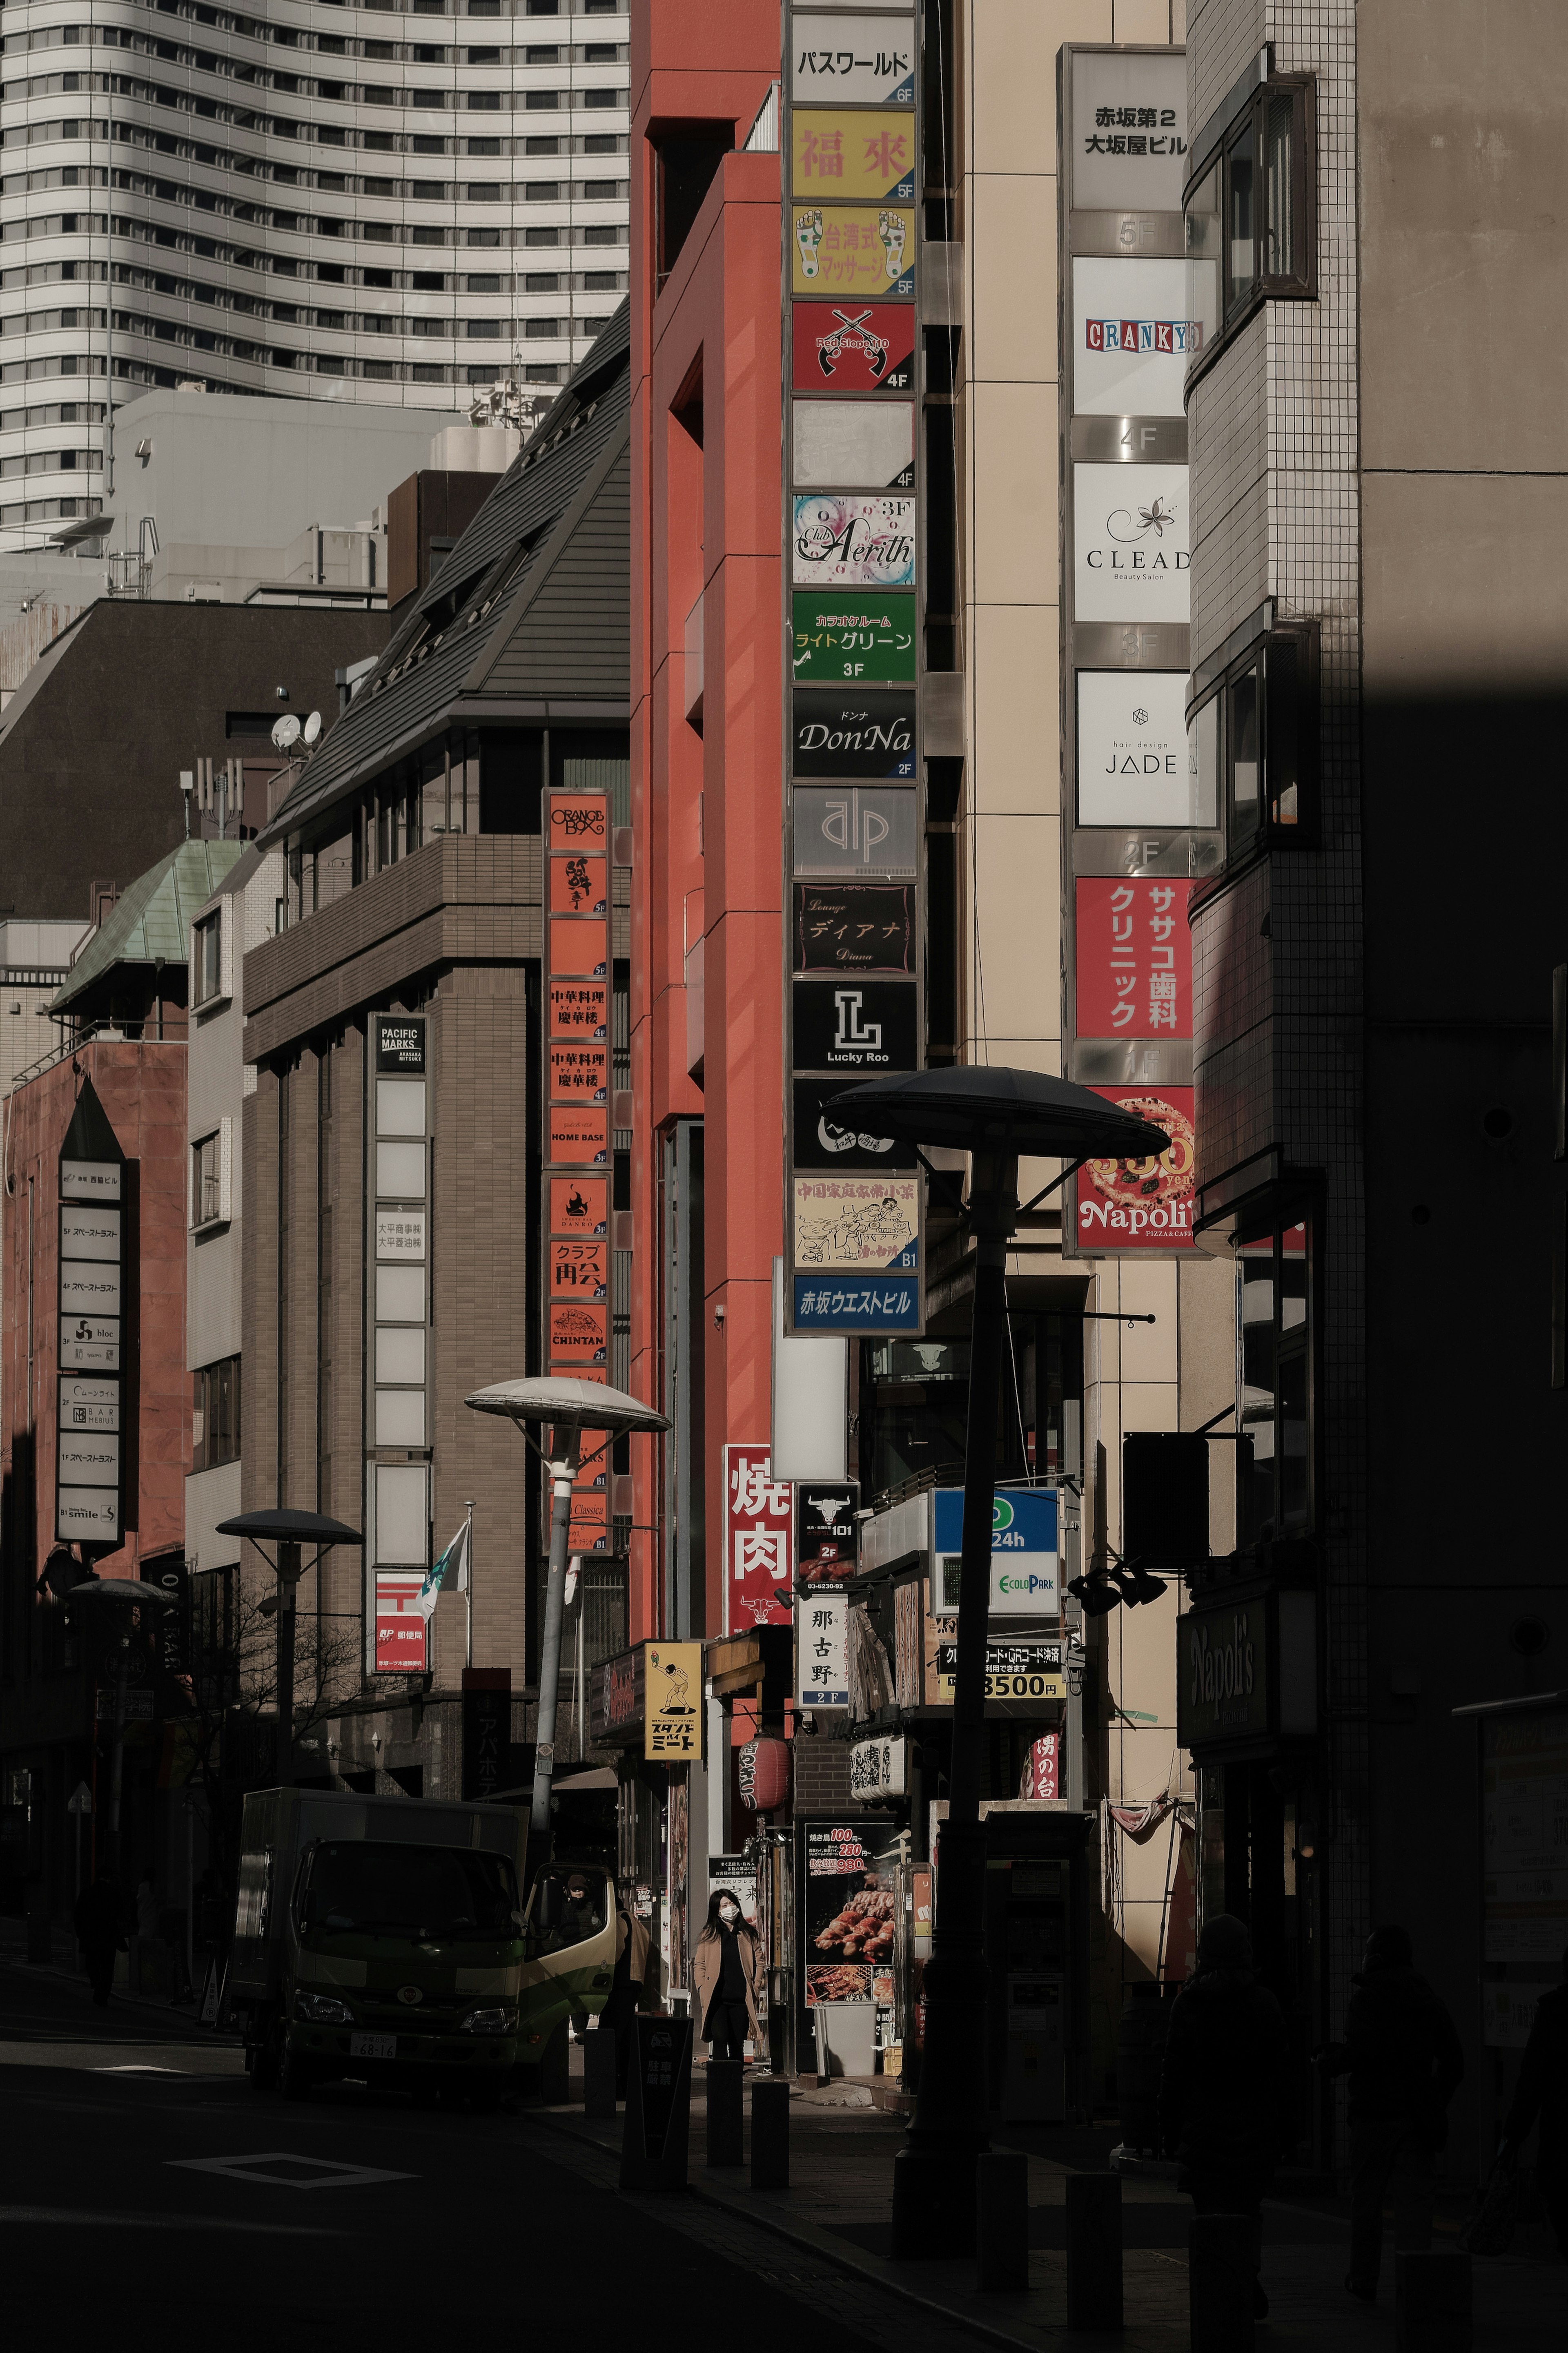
[{"x": 188, "y": 787}]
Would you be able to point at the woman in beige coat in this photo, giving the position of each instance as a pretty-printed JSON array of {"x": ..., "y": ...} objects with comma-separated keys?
[{"x": 727, "y": 1978}]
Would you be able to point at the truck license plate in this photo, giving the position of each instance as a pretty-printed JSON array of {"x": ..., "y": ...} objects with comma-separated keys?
[{"x": 372, "y": 2046}]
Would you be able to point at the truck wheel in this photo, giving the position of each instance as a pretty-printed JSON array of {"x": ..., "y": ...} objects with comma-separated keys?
[{"x": 295, "y": 2075}]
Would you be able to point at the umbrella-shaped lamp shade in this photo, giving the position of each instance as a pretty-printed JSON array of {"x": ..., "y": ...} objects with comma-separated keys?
[
  {"x": 121, "y": 1588},
  {"x": 289, "y": 1527},
  {"x": 587, "y": 1404},
  {"x": 1006, "y": 1111}
]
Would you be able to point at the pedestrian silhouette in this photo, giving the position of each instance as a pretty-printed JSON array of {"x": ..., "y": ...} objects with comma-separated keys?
[
  {"x": 1404, "y": 2061},
  {"x": 1224, "y": 2102}
]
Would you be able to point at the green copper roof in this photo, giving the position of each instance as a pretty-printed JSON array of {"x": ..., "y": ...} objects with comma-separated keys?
[{"x": 152, "y": 922}]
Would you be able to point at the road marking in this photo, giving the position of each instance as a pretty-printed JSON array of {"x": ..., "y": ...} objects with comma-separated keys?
[
  {"x": 285, "y": 2168},
  {"x": 159, "y": 2222},
  {"x": 136, "y": 2071}
]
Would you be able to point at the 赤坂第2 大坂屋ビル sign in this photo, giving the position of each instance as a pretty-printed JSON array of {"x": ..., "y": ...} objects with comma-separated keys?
[{"x": 1024, "y": 1558}]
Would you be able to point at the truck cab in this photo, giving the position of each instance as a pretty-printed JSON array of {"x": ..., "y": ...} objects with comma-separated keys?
[{"x": 387, "y": 1941}]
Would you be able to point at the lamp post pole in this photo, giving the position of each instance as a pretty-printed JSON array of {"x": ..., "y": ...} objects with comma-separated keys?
[
  {"x": 288, "y": 1591},
  {"x": 934, "y": 2174},
  {"x": 563, "y": 1471}
]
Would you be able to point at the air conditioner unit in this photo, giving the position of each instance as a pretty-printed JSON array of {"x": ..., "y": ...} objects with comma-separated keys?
[{"x": 203, "y": 592}]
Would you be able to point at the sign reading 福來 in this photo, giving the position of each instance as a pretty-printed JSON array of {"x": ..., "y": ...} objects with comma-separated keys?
[
  {"x": 759, "y": 1541},
  {"x": 1023, "y": 1552}
]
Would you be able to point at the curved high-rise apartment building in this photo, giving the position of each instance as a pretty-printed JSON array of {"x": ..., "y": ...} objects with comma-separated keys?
[{"x": 328, "y": 202}]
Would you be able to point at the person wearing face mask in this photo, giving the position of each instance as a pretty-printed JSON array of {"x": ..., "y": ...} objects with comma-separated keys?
[{"x": 727, "y": 1978}]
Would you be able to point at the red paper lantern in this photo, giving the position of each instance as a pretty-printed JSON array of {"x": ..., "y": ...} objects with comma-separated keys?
[{"x": 770, "y": 1775}]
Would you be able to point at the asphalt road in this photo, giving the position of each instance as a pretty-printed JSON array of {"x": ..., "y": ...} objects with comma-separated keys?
[{"x": 148, "y": 2197}]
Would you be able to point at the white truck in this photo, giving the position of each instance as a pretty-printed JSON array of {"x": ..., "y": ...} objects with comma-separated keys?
[{"x": 386, "y": 1939}]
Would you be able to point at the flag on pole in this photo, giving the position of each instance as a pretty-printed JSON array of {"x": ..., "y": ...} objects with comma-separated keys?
[{"x": 451, "y": 1573}]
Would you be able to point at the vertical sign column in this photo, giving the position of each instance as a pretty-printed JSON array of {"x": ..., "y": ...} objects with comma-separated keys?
[
  {"x": 1132, "y": 852},
  {"x": 853, "y": 834},
  {"x": 88, "y": 1465},
  {"x": 577, "y": 1125},
  {"x": 399, "y": 1409}
]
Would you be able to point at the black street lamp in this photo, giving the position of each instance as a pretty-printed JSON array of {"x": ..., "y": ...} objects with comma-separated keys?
[
  {"x": 566, "y": 1407},
  {"x": 288, "y": 1530},
  {"x": 998, "y": 1116},
  {"x": 120, "y": 1596}
]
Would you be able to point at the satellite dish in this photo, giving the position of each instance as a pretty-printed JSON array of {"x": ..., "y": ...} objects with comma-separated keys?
[
  {"x": 285, "y": 731},
  {"x": 312, "y": 727}
]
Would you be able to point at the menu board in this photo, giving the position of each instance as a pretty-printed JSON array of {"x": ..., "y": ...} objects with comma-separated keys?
[{"x": 846, "y": 1904}]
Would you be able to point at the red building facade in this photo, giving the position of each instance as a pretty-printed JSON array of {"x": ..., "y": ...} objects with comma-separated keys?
[{"x": 707, "y": 946}]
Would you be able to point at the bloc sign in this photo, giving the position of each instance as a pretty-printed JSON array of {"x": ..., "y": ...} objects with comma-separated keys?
[{"x": 1025, "y": 1562}]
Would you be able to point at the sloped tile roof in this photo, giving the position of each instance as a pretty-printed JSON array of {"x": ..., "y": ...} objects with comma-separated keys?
[
  {"x": 448, "y": 645},
  {"x": 151, "y": 921}
]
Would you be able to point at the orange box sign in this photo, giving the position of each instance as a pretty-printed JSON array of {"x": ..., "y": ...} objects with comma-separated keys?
[
  {"x": 579, "y": 821},
  {"x": 579, "y": 1205}
]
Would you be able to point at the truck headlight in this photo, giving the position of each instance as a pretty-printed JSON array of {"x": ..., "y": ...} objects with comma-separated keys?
[
  {"x": 489, "y": 2022},
  {"x": 322, "y": 2010}
]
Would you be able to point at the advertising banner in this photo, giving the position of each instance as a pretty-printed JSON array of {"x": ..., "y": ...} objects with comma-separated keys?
[
  {"x": 401, "y": 1629},
  {"x": 1142, "y": 1205},
  {"x": 580, "y": 949},
  {"x": 864, "y": 1224},
  {"x": 578, "y": 1335},
  {"x": 1133, "y": 340},
  {"x": 854, "y": 928},
  {"x": 1133, "y": 767},
  {"x": 845, "y": 1899},
  {"x": 579, "y": 1205},
  {"x": 1129, "y": 535},
  {"x": 829, "y": 1138},
  {"x": 858, "y": 1028},
  {"x": 854, "y": 61},
  {"x": 872, "y": 442},
  {"x": 1128, "y": 130},
  {"x": 821, "y": 1650},
  {"x": 826, "y": 1540},
  {"x": 837, "y": 638},
  {"x": 579, "y": 884},
  {"x": 579, "y": 1009},
  {"x": 579, "y": 1135},
  {"x": 864, "y": 829},
  {"x": 738, "y": 1873},
  {"x": 1022, "y": 1670},
  {"x": 854, "y": 346},
  {"x": 868, "y": 733},
  {"x": 1132, "y": 957},
  {"x": 759, "y": 1541},
  {"x": 90, "y": 1463},
  {"x": 855, "y": 542},
  {"x": 580, "y": 1073},
  {"x": 853, "y": 250},
  {"x": 848, "y": 157},
  {"x": 579, "y": 1271},
  {"x": 868, "y": 1310},
  {"x": 487, "y": 1732},
  {"x": 1023, "y": 1552},
  {"x": 673, "y": 1686}
]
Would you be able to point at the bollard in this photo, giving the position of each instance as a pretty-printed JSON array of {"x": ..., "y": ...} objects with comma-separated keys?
[
  {"x": 726, "y": 2144},
  {"x": 1094, "y": 2251},
  {"x": 770, "y": 2132},
  {"x": 599, "y": 2073},
  {"x": 1001, "y": 2219},
  {"x": 1221, "y": 2255},
  {"x": 1432, "y": 2301},
  {"x": 659, "y": 2101}
]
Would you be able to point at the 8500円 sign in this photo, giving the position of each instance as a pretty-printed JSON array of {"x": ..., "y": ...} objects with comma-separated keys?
[{"x": 1012, "y": 1670}]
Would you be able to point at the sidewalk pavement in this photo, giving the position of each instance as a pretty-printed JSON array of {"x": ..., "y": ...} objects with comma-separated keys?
[
  {"x": 14, "y": 1953},
  {"x": 838, "y": 2207}
]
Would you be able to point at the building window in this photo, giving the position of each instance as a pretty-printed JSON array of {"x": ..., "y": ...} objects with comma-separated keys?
[
  {"x": 210, "y": 1166},
  {"x": 1273, "y": 1382},
  {"x": 1251, "y": 212},
  {"x": 215, "y": 1415},
  {"x": 207, "y": 961},
  {"x": 1252, "y": 742}
]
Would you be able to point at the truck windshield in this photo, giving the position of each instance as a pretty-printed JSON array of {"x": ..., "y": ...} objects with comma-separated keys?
[{"x": 368, "y": 1887}]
